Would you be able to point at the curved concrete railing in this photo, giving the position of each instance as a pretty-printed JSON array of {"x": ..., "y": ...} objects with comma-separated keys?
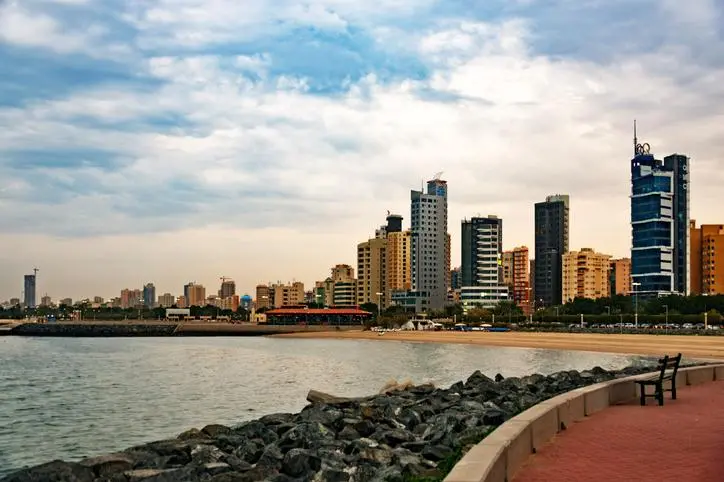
[{"x": 503, "y": 452}]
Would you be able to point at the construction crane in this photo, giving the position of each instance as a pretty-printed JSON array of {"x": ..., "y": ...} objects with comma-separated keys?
[{"x": 224, "y": 278}]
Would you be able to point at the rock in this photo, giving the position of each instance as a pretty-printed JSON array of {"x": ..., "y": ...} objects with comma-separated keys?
[
  {"x": 315, "y": 396},
  {"x": 396, "y": 437},
  {"x": 215, "y": 430},
  {"x": 250, "y": 450},
  {"x": 326, "y": 415},
  {"x": 365, "y": 428},
  {"x": 436, "y": 452},
  {"x": 331, "y": 475},
  {"x": 377, "y": 454},
  {"x": 348, "y": 433},
  {"x": 277, "y": 418},
  {"x": 306, "y": 435},
  {"x": 143, "y": 475},
  {"x": 499, "y": 378},
  {"x": 300, "y": 462},
  {"x": 477, "y": 378},
  {"x": 493, "y": 417},
  {"x": 56, "y": 471},
  {"x": 108, "y": 464},
  {"x": 191, "y": 434},
  {"x": 271, "y": 458},
  {"x": 206, "y": 454},
  {"x": 215, "y": 468}
]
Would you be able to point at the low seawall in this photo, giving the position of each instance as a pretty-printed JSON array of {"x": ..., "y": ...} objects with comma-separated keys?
[
  {"x": 93, "y": 330},
  {"x": 408, "y": 432},
  {"x": 134, "y": 328}
]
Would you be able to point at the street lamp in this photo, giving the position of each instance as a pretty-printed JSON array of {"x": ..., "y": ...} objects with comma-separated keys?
[
  {"x": 666, "y": 319},
  {"x": 379, "y": 304},
  {"x": 608, "y": 310},
  {"x": 636, "y": 304}
]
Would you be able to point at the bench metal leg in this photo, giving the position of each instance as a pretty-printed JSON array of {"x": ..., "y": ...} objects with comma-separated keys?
[
  {"x": 660, "y": 393},
  {"x": 673, "y": 388},
  {"x": 643, "y": 394}
]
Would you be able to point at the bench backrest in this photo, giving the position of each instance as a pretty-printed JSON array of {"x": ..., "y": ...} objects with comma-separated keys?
[{"x": 669, "y": 363}]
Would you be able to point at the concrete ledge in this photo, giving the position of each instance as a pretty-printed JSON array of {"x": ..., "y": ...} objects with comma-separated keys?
[
  {"x": 697, "y": 375},
  {"x": 501, "y": 454}
]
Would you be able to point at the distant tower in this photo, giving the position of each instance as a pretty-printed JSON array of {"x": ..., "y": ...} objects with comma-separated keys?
[{"x": 29, "y": 286}]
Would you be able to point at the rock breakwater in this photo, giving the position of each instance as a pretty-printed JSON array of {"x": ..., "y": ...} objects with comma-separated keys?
[{"x": 405, "y": 433}]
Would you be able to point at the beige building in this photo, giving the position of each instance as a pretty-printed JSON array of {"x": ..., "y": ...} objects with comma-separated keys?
[
  {"x": 342, "y": 272},
  {"x": 397, "y": 254},
  {"x": 195, "y": 294},
  {"x": 264, "y": 297},
  {"x": 286, "y": 295},
  {"x": 620, "y": 276},
  {"x": 181, "y": 302},
  {"x": 371, "y": 272},
  {"x": 166, "y": 300},
  {"x": 585, "y": 274},
  {"x": 45, "y": 301}
]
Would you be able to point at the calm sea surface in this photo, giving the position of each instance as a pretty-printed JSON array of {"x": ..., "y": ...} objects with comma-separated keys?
[{"x": 70, "y": 398}]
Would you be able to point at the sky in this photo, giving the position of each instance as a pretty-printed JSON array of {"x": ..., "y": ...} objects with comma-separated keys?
[{"x": 170, "y": 141}]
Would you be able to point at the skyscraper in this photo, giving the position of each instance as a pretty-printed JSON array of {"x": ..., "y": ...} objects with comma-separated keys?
[
  {"x": 660, "y": 244},
  {"x": 29, "y": 293},
  {"x": 481, "y": 268},
  {"x": 551, "y": 243},
  {"x": 430, "y": 268},
  {"x": 149, "y": 295}
]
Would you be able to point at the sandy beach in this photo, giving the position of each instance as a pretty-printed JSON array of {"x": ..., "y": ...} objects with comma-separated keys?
[{"x": 689, "y": 346}]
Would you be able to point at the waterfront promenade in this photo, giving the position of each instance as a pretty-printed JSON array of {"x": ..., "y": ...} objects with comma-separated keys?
[
  {"x": 691, "y": 346},
  {"x": 681, "y": 441}
]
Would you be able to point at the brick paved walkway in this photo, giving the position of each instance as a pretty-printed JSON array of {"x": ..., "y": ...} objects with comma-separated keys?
[{"x": 682, "y": 441}]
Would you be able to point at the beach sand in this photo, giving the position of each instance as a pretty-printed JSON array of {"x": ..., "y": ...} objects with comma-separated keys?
[{"x": 702, "y": 347}]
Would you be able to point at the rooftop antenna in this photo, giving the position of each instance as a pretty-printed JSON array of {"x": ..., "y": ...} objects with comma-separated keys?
[
  {"x": 35, "y": 272},
  {"x": 636, "y": 141}
]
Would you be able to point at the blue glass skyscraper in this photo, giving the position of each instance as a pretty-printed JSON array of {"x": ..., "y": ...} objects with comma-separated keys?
[{"x": 659, "y": 223}]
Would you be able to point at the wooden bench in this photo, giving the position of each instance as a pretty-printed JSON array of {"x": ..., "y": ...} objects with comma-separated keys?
[{"x": 667, "y": 367}]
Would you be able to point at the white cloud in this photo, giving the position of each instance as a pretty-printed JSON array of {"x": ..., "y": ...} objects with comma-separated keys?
[{"x": 37, "y": 29}]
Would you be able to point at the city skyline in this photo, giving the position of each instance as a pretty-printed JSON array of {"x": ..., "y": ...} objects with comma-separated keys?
[{"x": 147, "y": 151}]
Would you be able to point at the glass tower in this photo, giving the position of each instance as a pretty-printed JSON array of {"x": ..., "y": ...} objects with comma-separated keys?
[{"x": 659, "y": 223}]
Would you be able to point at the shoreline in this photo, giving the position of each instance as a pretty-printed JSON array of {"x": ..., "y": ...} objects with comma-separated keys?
[{"x": 699, "y": 347}]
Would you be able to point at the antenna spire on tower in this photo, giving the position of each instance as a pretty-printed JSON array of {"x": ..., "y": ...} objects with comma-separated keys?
[{"x": 636, "y": 141}]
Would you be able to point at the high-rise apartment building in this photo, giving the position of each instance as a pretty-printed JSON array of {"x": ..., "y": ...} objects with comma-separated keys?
[
  {"x": 707, "y": 259},
  {"x": 660, "y": 248},
  {"x": 620, "y": 276},
  {"x": 45, "y": 301},
  {"x": 551, "y": 243},
  {"x": 520, "y": 278},
  {"x": 264, "y": 298},
  {"x": 585, "y": 275},
  {"x": 228, "y": 288},
  {"x": 481, "y": 267},
  {"x": 398, "y": 258},
  {"x": 430, "y": 264},
  {"x": 149, "y": 295},
  {"x": 194, "y": 294},
  {"x": 372, "y": 271},
  {"x": 341, "y": 288},
  {"x": 455, "y": 279},
  {"x": 166, "y": 300},
  {"x": 29, "y": 295},
  {"x": 130, "y": 298},
  {"x": 288, "y": 295}
]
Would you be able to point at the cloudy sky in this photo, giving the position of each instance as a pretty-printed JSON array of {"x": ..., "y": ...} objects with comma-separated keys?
[{"x": 179, "y": 140}]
